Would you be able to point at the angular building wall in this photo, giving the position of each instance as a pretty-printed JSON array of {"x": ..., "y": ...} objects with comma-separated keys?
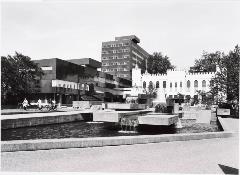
[{"x": 66, "y": 80}]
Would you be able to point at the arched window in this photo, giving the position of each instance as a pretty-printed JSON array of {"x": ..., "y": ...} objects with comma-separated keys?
[
  {"x": 195, "y": 83},
  {"x": 203, "y": 83},
  {"x": 180, "y": 84},
  {"x": 171, "y": 85},
  {"x": 150, "y": 85},
  {"x": 144, "y": 84},
  {"x": 188, "y": 84},
  {"x": 175, "y": 87},
  {"x": 157, "y": 84},
  {"x": 164, "y": 84}
]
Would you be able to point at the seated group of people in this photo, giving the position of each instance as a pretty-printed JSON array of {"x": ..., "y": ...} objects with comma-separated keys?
[{"x": 51, "y": 105}]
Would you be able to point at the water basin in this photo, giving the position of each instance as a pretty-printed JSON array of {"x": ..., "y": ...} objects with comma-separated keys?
[{"x": 83, "y": 129}]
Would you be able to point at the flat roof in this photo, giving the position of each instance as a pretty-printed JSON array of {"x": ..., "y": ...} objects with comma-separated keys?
[
  {"x": 134, "y": 38},
  {"x": 87, "y": 62}
]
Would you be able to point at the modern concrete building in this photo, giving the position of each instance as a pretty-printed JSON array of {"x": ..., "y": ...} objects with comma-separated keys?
[
  {"x": 121, "y": 55},
  {"x": 77, "y": 79}
]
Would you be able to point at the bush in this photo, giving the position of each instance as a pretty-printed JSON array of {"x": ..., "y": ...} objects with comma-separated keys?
[{"x": 161, "y": 108}]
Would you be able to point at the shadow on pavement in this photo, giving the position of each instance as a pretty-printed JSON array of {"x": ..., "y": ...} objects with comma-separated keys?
[{"x": 228, "y": 170}]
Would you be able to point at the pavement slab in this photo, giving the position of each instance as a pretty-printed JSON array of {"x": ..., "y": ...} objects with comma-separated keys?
[
  {"x": 196, "y": 156},
  {"x": 232, "y": 124},
  {"x": 204, "y": 116}
]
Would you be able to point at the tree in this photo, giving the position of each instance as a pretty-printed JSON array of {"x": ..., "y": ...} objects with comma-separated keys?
[
  {"x": 206, "y": 98},
  {"x": 226, "y": 80},
  {"x": 18, "y": 74},
  {"x": 225, "y": 85},
  {"x": 207, "y": 63},
  {"x": 157, "y": 63}
]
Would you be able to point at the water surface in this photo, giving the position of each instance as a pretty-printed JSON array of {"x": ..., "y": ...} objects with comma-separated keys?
[{"x": 83, "y": 129}]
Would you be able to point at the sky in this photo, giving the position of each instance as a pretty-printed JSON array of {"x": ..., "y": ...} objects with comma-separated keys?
[{"x": 182, "y": 30}]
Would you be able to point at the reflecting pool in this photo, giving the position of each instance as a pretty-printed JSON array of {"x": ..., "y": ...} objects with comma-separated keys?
[{"x": 94, "y": 129}]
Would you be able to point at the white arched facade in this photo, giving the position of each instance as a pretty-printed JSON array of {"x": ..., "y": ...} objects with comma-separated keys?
[{"x": 174, "y": 82}]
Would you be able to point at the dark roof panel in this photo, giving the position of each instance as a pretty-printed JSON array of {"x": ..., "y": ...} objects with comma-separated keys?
[
  {"x": 87, "y": 62},
  {"x": 131, "y": 37}
]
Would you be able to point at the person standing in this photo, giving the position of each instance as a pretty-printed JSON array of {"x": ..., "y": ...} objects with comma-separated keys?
[
  {"x": 25, "y": 104},
  {"x": 54, "y": 104},
  {"x": 39, "y": 103}
]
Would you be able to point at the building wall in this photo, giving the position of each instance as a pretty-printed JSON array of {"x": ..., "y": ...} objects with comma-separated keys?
[
  {"x": 49, "y": 68},
  {"x": 57, "y": 69},
  {"x": 136, "y": 77},
  {"x": 86, "y": 61},
  {"x": 90, "y": 65},
  {"x": 121, "y": 55},
  {"x": 138, "y": 55},
  {"x": 90, "y": 71},
  {"x": 172, "y": 80},
  {"x": 116, "y": 57},
  {"x": 70, "y": 80},
  {"x": 68, "y": 71}
]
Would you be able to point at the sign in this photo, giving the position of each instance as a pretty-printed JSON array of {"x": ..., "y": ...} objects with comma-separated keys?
[
  {"x": 221, "y": 111},
  {"x": 47, "y": 68}
]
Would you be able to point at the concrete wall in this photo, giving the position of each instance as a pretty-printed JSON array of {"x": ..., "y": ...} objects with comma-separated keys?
[
  {"x": 196, "y": 114},
  {"x": 125, "y": 106},
  {"x": 85, "y": 104},
  {"x": 32, "y": 145},
  {"x": 58, "y": 70},
  {"x": 87, "y": 62},
  {"x": 44, "y": 120}
]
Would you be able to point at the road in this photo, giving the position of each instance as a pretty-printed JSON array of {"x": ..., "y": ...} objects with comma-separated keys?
[{"x": 197, "y": 156}]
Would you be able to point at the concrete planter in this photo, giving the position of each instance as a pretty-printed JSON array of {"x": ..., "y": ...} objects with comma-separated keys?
[
  {"x": 125, "y": 106},
  {"x": 158, "y": 119},
  {"x": 85, "y": 104}
]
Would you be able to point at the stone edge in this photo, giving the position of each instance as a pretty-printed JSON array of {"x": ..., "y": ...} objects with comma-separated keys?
[{"x": 46, "y": 144}]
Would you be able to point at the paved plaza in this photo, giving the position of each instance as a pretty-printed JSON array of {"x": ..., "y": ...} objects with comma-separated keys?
[{"x": 196, "y": 156}]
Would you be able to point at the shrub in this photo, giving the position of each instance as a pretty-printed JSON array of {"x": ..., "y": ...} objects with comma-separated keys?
[{"x": 161, "y": 108}]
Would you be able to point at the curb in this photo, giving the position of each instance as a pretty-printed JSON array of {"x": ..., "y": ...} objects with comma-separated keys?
[{"x": 46, "y": 144}]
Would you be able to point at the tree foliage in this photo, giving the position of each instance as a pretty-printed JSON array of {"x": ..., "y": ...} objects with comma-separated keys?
[
  {"x": 157, "y": 63},
  {"x": 207, "y": 98},
  {"x": 224, "y": 86},
  {"x": 208, "y": 62},
  {"x": 18, "y": 74},
  {"x": 226, "y": 80},
  {"x": 150, "y": 91}
]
